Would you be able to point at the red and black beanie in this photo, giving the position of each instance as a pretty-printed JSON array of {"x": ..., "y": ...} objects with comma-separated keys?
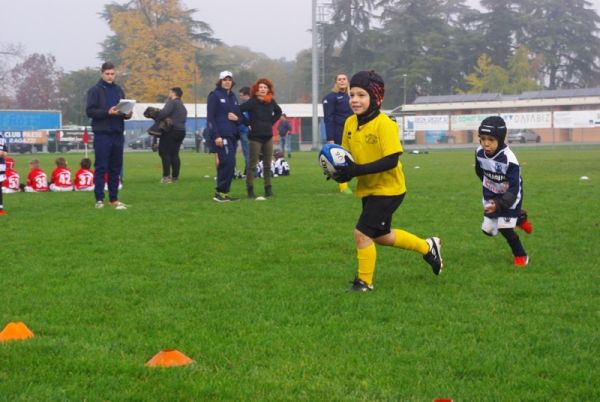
[{"x": 371, "y": 82}]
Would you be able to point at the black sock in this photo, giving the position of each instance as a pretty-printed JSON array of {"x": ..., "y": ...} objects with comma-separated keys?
[{"x": 513, "y": 241}]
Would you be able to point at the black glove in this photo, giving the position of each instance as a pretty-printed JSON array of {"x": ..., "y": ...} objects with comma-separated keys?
[{"x": 346, "y": 173}]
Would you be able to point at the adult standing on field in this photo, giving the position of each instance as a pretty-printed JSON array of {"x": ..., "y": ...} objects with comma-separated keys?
[
  {"x": 263, "y": 111},
  {"x": 284, "y": 128},
  {"x": 108, "y": 126},
  {"x": 223, "y": 115},
  {"x": 336, "y": 109},
  {"x": 244, "y": 130},
  {"x": 170, "y": 142}
]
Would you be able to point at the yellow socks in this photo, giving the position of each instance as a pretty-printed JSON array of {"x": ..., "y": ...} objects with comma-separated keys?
[
  {"x": 344, "y": 188},
  {"x": 409, "y": 241},
  {"x": 366, "y": 263}
]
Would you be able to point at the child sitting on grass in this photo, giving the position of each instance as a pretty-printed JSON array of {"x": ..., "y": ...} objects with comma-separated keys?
[
  {"x": 60, "y": 179},
  {"x": 84, "y": 177},
  {"x": 37, "y": 180},
  {"x": 12, "y": 180}
]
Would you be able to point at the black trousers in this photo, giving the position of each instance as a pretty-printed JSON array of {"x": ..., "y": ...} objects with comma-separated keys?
[{"x": 168, "y": 150}]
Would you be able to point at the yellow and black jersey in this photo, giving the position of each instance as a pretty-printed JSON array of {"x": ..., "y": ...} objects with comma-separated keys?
[{"x": 374, "y": 140}]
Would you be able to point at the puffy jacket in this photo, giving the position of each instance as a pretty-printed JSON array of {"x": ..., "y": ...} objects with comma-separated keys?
[{"x": 218, "y": 104}]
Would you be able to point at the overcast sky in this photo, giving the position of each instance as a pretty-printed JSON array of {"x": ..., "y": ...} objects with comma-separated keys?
[{"x": 72, "y": 30}]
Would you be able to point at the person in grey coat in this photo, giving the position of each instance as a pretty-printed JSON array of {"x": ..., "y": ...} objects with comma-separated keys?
[{"x": 170, "y": 142}]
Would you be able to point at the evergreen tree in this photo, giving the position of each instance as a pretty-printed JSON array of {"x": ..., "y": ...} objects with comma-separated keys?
[{"x": 565, "y": 34}]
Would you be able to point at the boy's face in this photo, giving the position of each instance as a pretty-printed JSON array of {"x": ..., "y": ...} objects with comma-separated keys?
[
  {"x": 488, "y": 143},
  {"x": 359, "y": 100}
]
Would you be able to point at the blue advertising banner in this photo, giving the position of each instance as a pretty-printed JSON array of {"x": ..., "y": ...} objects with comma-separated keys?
[{"x": 29, "y": 120}]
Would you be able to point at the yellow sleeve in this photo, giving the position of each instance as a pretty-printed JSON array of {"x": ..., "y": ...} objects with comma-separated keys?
[
  {"x": 350, "y": 121},
  {"x": 389, "y": 137}
]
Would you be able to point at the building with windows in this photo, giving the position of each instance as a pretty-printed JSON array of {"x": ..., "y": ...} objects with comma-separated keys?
[{"x": 552, "y": 116}]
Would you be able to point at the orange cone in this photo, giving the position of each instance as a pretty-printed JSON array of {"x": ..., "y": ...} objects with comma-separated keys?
[
  {"x": 169, "y": 358},
  {"x": 14, "y": 331}
]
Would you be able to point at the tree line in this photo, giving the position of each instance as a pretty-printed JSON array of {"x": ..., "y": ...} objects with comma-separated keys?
[{"x": 420, "y": 47}]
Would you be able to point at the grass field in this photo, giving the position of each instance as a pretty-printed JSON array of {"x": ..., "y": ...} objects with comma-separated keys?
[{"x": 254, "y": 291}]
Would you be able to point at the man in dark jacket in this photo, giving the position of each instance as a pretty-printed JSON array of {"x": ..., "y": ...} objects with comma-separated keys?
[
  {"x": 108, "y": 126},
  {"x": 170, "y": 142},
  {"x": 284, "y": 128},
  {"x": 222, "y": 116}
]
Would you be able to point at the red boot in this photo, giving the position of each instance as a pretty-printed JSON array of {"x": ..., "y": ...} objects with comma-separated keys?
[
  {"x": 521, "y": 261},
  {"x": 526, "y": 226}
]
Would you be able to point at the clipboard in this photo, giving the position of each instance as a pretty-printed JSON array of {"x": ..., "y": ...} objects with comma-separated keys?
[{"x": 125, "y": 106}]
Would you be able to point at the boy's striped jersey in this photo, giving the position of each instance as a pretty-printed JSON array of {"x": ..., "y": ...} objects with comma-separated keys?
[{"x": 500, "y": 174}]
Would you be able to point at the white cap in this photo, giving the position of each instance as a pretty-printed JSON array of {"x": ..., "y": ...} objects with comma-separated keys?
[{"x": 224, "y": 74}]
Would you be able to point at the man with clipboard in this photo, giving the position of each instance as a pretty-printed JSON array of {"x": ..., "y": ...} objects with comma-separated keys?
[{"x": 109, "y": 141}]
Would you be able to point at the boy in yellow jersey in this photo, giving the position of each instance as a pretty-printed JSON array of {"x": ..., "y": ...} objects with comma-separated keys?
[{"x": 372, "y": 139}]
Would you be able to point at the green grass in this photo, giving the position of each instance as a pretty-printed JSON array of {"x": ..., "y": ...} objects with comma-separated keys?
[{"x": 254, "y": 291}]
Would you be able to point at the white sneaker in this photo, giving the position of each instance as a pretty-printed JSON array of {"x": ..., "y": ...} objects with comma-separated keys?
[
  {"x": 118, "y": 205},
  {"x": 99, "y": 204}
]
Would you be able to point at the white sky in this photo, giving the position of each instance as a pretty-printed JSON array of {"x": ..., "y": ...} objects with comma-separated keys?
[{"x": 72, "y": 30}]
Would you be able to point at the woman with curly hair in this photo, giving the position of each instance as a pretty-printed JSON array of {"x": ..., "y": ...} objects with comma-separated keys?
[{"x": 262, "y": 111}]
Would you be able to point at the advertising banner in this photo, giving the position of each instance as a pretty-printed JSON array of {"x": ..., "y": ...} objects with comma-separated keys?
[
  {"x": 528, "y": 120},
  {"x": 427, "y": 123},
  {"x": 577, "y": 119},
  {"x": 466, "y": 122},
  {"x": 26, "y": 137}
]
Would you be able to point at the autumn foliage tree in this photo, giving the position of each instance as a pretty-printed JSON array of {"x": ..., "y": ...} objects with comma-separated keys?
[
  {"x": 157, "y": 43},
  {"x": 489, "y": 77}
]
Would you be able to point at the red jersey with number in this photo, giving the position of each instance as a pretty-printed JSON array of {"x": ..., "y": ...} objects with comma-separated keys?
[
  {"x": 61, "y": 177},
  {"x": 12, "y": 180},
  {"x": 37, "y": 180},
  {"x": 84, "y": 179}
]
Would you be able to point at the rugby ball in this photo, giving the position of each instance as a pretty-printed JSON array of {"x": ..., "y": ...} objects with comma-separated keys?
[{"x": 331, "y": 157}]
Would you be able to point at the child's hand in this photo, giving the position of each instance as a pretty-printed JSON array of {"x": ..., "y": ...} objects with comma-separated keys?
[{"x": 490, "y": 207}]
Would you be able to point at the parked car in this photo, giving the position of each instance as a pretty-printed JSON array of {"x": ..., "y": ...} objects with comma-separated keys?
[
  {"x": 144, "y": 141},
  {"x": 523, "y": 135}
]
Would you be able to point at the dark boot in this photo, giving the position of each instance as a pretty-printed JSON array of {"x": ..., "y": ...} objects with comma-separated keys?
[
  {"x": 250, "y": 190},
  {"x": 268, "y": 191}
]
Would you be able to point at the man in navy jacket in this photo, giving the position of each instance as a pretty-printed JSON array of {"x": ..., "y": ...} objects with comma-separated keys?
[
  {"x": 222, "y": 116},
  {"x": 108, "y": 126}
]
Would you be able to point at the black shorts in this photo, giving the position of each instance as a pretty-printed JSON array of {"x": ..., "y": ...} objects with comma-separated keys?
[{"x": 376, "y": 217}]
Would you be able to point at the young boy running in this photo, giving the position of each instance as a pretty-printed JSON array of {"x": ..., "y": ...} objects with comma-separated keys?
[
  {"x": 372, "y": 139},
  {"x": 499, "y": 171}
]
